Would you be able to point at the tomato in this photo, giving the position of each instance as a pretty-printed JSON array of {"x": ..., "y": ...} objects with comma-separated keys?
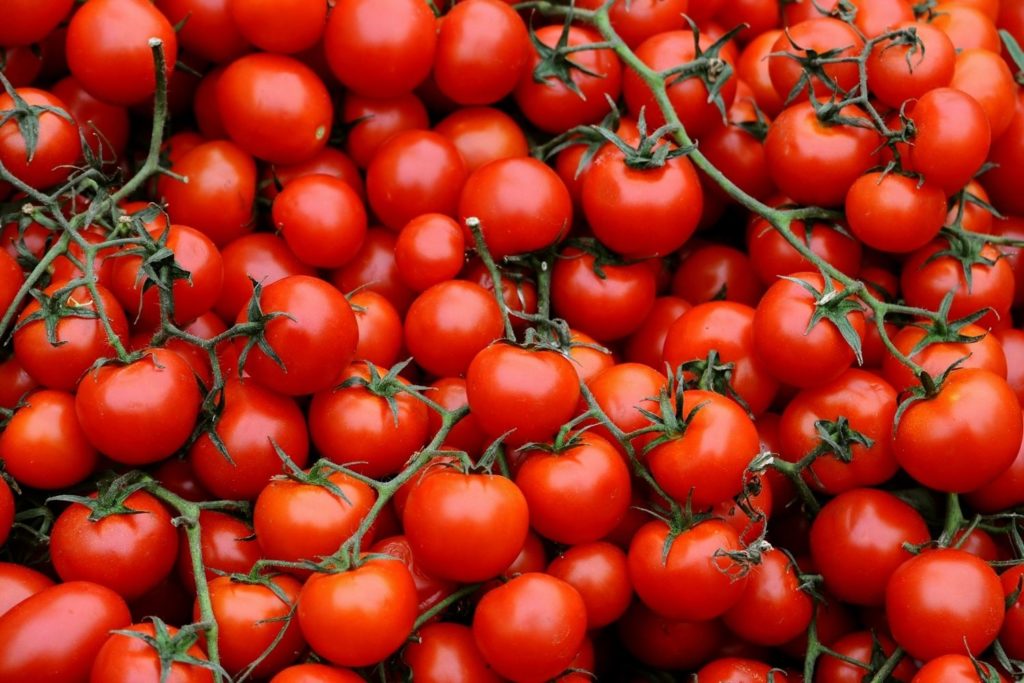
[
  {"x": 530, "y": 628},
  {"x": 1011, "y": 636},
  {"x": 27, "y": 22},
  {"x": 275, "y": 107},
  {"x": 261, "y": 256},
  {"x": 277, "y": 26},
  {"x": 985, "y": 353},
  {"x": 44, "y": 446},
  {"x": 635, "y": 22},
  {"x": 105, "y": 126},
  {"x": 860, "y": 646},
  {"x": 219, "y": 198},
  {"x": 622, "y": 391},
  {"x": 14, "y": 382},
  {"x": 899, "y": 70},
  {"x": 371, "y": 121},
  {"x": 229, "y": 546},
  {"x": 952, "y": 138},
  {"x": 249, "y": 619},
  {"x": 1003, "y": 492},
  {"x": 1008, "y": 153},
  {"x": 815, "y": 36},
  {"x": 857, "y": 542},
  {"x": 314, "y": 337},
  {"x": 210, "y": 32},
  {"x": 957, "y": 669},
  {"x": 380, "y": 328},
  {"x": 448, "y": 324},
  {"x": 18, "y": 583},
  {"x": 689, "y": 96},
  {"x": 967, "y": 27},
  {"x": 322, "y": 220},
  {"x": 450, "y": 518},
  {"x": 130, "y": 659},
  {"x": 647, "y": 343},
  {"x": 297, "y": 521},
  {"x": 430, "y": 249},
  {"x": 482, "y": 135},
  {"x": 374, "y": 268},
  {"x": 816, "y": 163},
  {"x": 692, "y": 580},
  {"x": 315, "y": 673},
  {"x": 600, "y": 574},
  {"x": 549, "y": 103},
  {"x": 712, "y": 271},
  {"x": 667, "y": 200},
  {"x": 976, "y": 218},
  {"x": 944, "y": 602},
  {"x": 773, "y": 256},
  {"x": 895, "y": 213},
  {"x": 794, "y": 354},
  {"x": 11, "y": 279},
  {"x": 141, "y": 412},
  {"x": 772, "y": 608},
  {"x": 380, "y": 48},
  {"x": 964, "y": 436},
  {"x": 696, "y": 468},
  {"x": 429, "y": 589},
  {"x": 522, "y": 205},
  {"x": 413, "y": 173},
  {"x": 466, "y": 435},
  {"x": 447, "y": 652},
  {"x": 328, "y": 161},
  {"x": 872, "y": 17},
  {"x": 740, "y": 670},
  {"x": 984, "y": 76},
  {"x": 754, "y": 69},
  {"x": 759, "y": 15},
  {"x": 108, "y": 49},
  {"x": 482, "y": 50},
  {"x": 81, "y": 612},
  {"x": 57, "y": 145},
  {"x": 360, "y": 616}
]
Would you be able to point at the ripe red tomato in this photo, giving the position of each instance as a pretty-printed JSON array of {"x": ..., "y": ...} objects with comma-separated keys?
[
  {"x": 429, "y": 589},
  {"x": 952, "y": 140},
  {"x": 740, "y": 670},
  {"x": 105, "y": 126},
  {"x": 531, "y": 628},
  {"x": 635, "y": 22},
  {"x": 622, "y": 391},
  {"x": 712, "y": 271},
  {"x": 450, "y": 518},
  {"x": 773, "y": 256},
  {"x": 895, "y": 213},
  {"x": 371, "y": 121},
  {"x": 483, "y": 135},
  {"x": 322, "y": 219},
  {"x": 599, "y": 572},
  {"x": 360, "y": 616},
  {"x": 229, "y": 546},
  {"x": 815, "y": 36},
  {"x": 380, "y": 328},
  {"x": 277, "y": 26},
  {"x": 108, "y": 49},
  {"x": 944, "y": 602},
  {"x": 27, "y": 21},
  {"x": 328, "y": 161},
  {"x": 430, "y": 249},
  {"x": 447, "y": 652},
  {"x": 18, "y": 583},
  {"x": 986, "y": 354},
  {"x": 130, "y": 659},
  {"x": 275, "y": 107},
  {"x": 263, "y": 257},
  {"x": 380, "y": 48},
  {"x": 1003, "y": 492},
  {"x": 668, "y": 643},
  {"x": 82, "y": 613},
  {"x": 57, "y": 146},
  {"x": 314, "y": 336},
  {"x": 773, "y": 608},
  {"x": 899, "y": 71},
  {"x": 958, "y": 669},
  {"x": 859, "y": 646}
]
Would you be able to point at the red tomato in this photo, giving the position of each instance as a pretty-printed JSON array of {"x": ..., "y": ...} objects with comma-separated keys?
[
  {"x": 6, "y": 510},
  {"x": 957, "y": 669},
  {"x": 316, "y": 673},
  {"x": 895, "y": 213},
  {"x": 872, "y": 17},
  {"x": 1008, "y": 153},
  {"x": 667, "y": 643},
  {"x": 263, "y": 257},
  {"x": 57, "y": 146},
  {"x": 380, "y": 328},
  {"x": 773, "y": 607},
  {"x": 622, "y": 391},
  {"x": 27, "y": 21},
  {"x": 277, "y": 26},
  {"x": 967, "y": 27},
  {"x": 380, "y": 48},
  {"x": 860, "y": 646},
  {"x": 1003, "y": 492},
  {"x": 105, "y": 126},
  {"x": 82, "y": 613},
  {"x": 430, "y": 249},
  {"x": 360, "y": 616},
  {"x": 18, "y": 583},
  {"x": 754, "y": 66},
  {"x": 952, "y": 140},
  {"x": 984, "y": 76},
  {"x": 713, "y": 271},
  {"x": 328, "y": 161},
  {"x": 371, "y": 121},
  {"x": 900, "y": 70},
  {"x": 647, "y": 344},
  {"x": 131, "y": 659},
  {"x": 429, "y": 589},
  {"x": 447, "y": 652},
  {"x": 773, "y": 256},
  {"x": 229, "y": 546},
  {"x": 815, "y": 36},
  {"x": 599, "y": 572},
  {"x": 531, "y": 628},
  {"x": 108, "y": 49},
  {"x": 483, "y": 135},
  {"x": 635, "y": 22},
  {"x": 944, "y": 602},
  {"x": 936, "y": 358},
  {"x": 739, "y": 670},
  {"x": 322, "y": 219}
]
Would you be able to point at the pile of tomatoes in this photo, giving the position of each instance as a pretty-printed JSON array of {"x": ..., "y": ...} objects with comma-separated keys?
[{"x": 476, "y": 341}]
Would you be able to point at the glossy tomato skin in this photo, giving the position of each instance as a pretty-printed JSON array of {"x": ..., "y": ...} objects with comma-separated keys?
[
  {"x": 447, "y": 652},
  {"x": 430, "y": 590},
  {"x": 82, "y": 612},
  {"x": 985, "y": 353},
  {"x": 108, "y": 49},
  {"x": 210, "y": 32},
  {"x": 286, "y": 27},
  {"x": 773, "y": 256},
  {"x": 773, "y": 609},
  {"x": 265, "y": 258},
  {"x": 57, "y": 145},
  {"x": 315, "y": 338},
  {"x": 895, "y": 213},
  {"x": 430, "y": 249},
  {"x": 953, "y": 138},
  {"x": 668, "y": 643},
  {"x": 818, "y": 35},
  {"x": 11, "y": 279},
  {"x": 29, "y": 22},
  {"x": 380, "y": 328},
  {"x": 229, "y": 546},
  {"x": 141, "y": 412},
  {"x": 622, "y": 391},
  {"x": 857, "y": 543},
  {"x": 371, "y": 121},
  {"x": 322, "y": 219},
  {"x": 18, "y": 583},
  {"x": 275, "y": 107},
  {"x": 128, "y": 659},
  {"x": 965, "y": 436},
  {"x": 44, "y": 446},
  {"x": 943, "y": 602},
  {"x": 599, "y": 572},
  {"x": 894, "y": 80},
  {"x": 1003, "y": 492},
  {"x": 740, "y": 670},
  {"x": 859, "y": 646},
  {"x": 380, "y": 48},
  {"x": 360, "y": 616},
  {"x": 637, "y": 21},
  {"x": 450, "y": 518},
  {"x": 531, "y": 392},
  {"x": 328, "y": 161},
  {"x": 692, "y": 583},
  {"x": 483, "y": 135},
  {"x": 316, "y": 673},
  {"x": 957, "y": 669},
  {"x": 531, "y": 628},
  {"x": 253, "y": 420}
]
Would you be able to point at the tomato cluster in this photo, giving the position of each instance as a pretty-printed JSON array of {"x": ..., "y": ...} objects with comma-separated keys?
[{"x": 480, "y": 341}]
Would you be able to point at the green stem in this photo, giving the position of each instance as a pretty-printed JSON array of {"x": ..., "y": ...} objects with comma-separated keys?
[{"x": 484, "y": 253}]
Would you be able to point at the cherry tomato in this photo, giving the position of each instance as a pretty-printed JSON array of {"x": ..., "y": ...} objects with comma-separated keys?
[
  {"x": 482, "y": 135},
  {"x": 899, "y": 70},
  {"x": 276, "y": 26},
  {"x": 895, "y": 213},
  {"x": 447, "y": 652},
  {"x": 371, "y": 121},
  {"x": 322, "y": 219},
  {"x": 57, "y": 147},
  {"x": 130, "y": 659},
  {"x": 18, "y": 583}
]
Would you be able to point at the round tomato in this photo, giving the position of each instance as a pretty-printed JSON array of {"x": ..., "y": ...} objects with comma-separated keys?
[
  {"x": 277, "y": 26},
  {"x": 895, "y": 213},
  {"x": 430, "y": 249},
  {"x": 773, "y": 608},
  {"x": 229, "y": 545},
  {"x": 815, "y": 37},
  {"x": 958, "y": 669},
  {"x": 900, "y": 69},
  {"x": 668, "y": 643},
  {"x": 131, "y": 659},
  {"x": 18, "y": 583},
  {"x": 322, "y": 219},
  {"x": 600, "y": 573},
  {"x": 57, "y": 147},
  {"x": 380, "y": 328},
  {"x": 105, "y": 126},
  {"x": 986, "y": 353},
  {"x": 371, "y": 121},
  {"x": 952, "y": 138},
  {"x": 447, "y": 652},
  {"x": 483, "y": 135},
  {"x": 716, "y": 271},
  {"x": 263, "y": 257}
]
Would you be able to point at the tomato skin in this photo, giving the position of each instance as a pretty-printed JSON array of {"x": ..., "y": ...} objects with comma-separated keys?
[
  {"x": 252, "y": 418},
  {"x": 986, "y": 353},
  {"x": 80, "y": 341},
  {"x": 956, "y": 669},
  {"x": 413, "y": 173},
  {"x": 430, "y": 590},
  {"x": 11, "y": 279},
  {"x": 953, "y": 137},
  {"x": 531, "y": 627},
  {"x": 372, "y": 121},
  {"x": 265, "y": 258},
  {"x": 209, "y": 33},
  {"x": 108, "y": 49},
  {"x": 483, "y": 135},
  {"x": 450, "y": 517},
  {"x": 380, "y": 328},
  {"x": 773, "y": 256},
  {"x": 753, "y": 68},
  {"x": 522, "y": 204},
  {"x": 380, "y": 48},
  {"x": 1003, "y": 492},
  {"x": 895, "y": 80},
  {"x": 105, "y": 126},
  {"x": 229, "y": 546},
  {"x": 127, "y": 659},
  {"x": 692, "y": 583},
  {"x": 219, "y": 197},
  {"x": 358, "y": 617},
  {"x": 18, "y": 583},
  {"x": 647, "y": 343},
  {"x": 57, "y": 145},
  {"x": 859, "y": 646},
  {"x": 782, "y": 343},
  {"x": 328, "y": 161},
  {"x": 322, "y": 219},
  {"x": 894, "y": 213},
  {"x": 974, "y": 446},
  {"x": 622, "y": 391},
  {"x": 27, "y": 22},
  {"x": 1008, "y": 153},
  {"x": 315, "y": 340},
  {"x": 817, "y": 35},
  {"x": 275, "y": 107},
  {"x": 315, "y": 673},
  {"x": 276, "y": 26},
  {"x": 82, "y": 612},
  {"x": 740, "y": 670},
  {"x": 773, "y": 609},
  {"x": 943, "y": 601},
  {"x": 637, "y": 21},
  {"x": 816, "y": 164},
  {"x": 1011, "y": 636},
  {"x": 142, "y": 412},
  {"x": 857, "y": 543},
  {"x": 430, "y": 249},
  {"x": 447, "y": 653},
  {"x": 599, "y": 572}
]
